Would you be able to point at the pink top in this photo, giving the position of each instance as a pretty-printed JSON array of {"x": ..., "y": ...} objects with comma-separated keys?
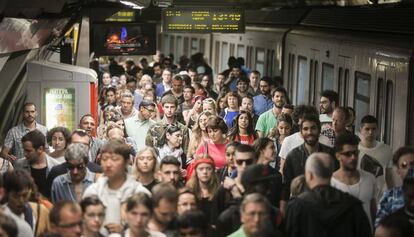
[{"x": 216, "y": 151}]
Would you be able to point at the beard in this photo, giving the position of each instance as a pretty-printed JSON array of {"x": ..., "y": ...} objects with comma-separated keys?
[{"x": 311, "y": 140}]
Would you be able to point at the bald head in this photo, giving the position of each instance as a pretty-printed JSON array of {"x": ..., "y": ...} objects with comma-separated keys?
[{"x": 318, "y": 169}]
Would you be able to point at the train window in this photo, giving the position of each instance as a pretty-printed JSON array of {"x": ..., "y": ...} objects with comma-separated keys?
[
  {"x": 241, "y": 52},
  {"x": 362, "y": 92},
  {"x": 217, "y": 54},
  {"x": 172, "y": 44},
  {"x": 340, "y": 81},
  {"x": 260, "y": 60},
  {"x": 231, "y": 49},
  {"x": 249, "y": 62},
  {"x": 270, "y": 61},
  {"x": 159, "y": 41},
  {"x": 327, "y": 76},
  {"x": 194, "y": 46},
  {"x": 178, "y": 47},
  {"x": 202, "y": 46},
  {"x": 389, "y": 112},
  {"x": 291, "y": 66},
  {"x": 224, "y": 55},
  {"x": 186, "y": 46},
  {"x": 346, "y": 87},
  {"x": 166, "y": 44},
  {"x": 380, "y": 104},
  {"x": 301, "y": 85},
  {"x": 313, "y": 76}
]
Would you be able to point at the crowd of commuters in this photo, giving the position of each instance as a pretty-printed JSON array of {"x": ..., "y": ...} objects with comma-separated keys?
[{"x": 178, "y": 152}]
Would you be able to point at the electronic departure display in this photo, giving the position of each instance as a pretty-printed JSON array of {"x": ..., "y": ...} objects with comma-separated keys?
[{"x": 203, "y": 20}]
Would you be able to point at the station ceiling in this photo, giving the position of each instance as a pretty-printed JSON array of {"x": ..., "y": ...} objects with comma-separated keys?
[{"x": 54, "y": 8}]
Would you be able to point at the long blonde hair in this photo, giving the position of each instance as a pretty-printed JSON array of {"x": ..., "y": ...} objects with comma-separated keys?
[{"x": 135, "y": 172}]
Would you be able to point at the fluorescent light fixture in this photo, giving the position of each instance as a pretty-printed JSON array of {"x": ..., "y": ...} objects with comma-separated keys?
[{"x": 136, "y": 4}]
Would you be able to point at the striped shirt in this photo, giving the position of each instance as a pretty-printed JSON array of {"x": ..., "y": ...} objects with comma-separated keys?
[{"x": 13, "y": 140}]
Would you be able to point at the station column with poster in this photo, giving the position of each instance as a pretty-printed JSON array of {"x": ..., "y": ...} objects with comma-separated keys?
[{"x": 62, "y": 92}]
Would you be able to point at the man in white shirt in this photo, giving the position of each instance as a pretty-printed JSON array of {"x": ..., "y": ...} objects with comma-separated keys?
[
  {"x": 327, "y": 104},
  {"x": 349, "y": 179},
  {"x": 116, "y": 186},
  {"x": 375, "y": 157},
  {"x": 296, "y": 139},
  {"x": 138, "y": 126}
]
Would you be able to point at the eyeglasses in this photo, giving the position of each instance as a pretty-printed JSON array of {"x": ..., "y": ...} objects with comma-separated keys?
[
  {"x": 253, "y": 214},
  {"x": 350, "y": 153},
  {"x": 149, "y": 110},
  {"x": 247, "y": 162},
  {"x": 72, "y": 166},
  {"x": 70, "y": 225}
]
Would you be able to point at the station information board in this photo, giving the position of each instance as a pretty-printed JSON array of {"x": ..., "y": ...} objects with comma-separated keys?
[{"x": 203, "y": 20}]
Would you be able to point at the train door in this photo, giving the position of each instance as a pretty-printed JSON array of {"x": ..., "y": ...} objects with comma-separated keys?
[
  {"x": 344, "y": 65},
  {"x": 385, "y": 101}
]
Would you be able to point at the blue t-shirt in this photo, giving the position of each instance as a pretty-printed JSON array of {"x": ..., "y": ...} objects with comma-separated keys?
[{"x": 229, "y": 116}]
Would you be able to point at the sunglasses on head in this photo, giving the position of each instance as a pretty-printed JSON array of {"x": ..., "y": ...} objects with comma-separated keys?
[
  {"x": 72, "y": 167},
  {"x": 248, "y": 162}
]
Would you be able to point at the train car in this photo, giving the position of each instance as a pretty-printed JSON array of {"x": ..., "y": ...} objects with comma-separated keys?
[{"x": 358, "y": 52}]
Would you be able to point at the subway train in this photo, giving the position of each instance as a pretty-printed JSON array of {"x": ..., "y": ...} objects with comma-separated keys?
[{"x": 363, "y": 53}]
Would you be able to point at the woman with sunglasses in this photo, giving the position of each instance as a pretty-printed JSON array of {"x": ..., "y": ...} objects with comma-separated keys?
[
  {"x": 171, "y": 144},
  {"x": 139, "y": 209},
  {"x": 144, "y": 167},
  {"x": 243, "y": 130},
  {"x": 215, "y": 147},
  {"x": 199, "y": 133},
  {"x": 204, "y": 183},
  {"x": 191, "y": 115}
]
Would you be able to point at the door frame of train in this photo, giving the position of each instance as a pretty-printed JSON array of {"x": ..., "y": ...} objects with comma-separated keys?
[
  {"x": 344, "y": 63},
  {"x": 315, "y": 90},
  {"x": 290, "y": 70},
  {"x": 387, "y": 74}
]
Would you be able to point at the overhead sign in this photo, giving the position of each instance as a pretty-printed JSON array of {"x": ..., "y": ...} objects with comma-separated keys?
[{"x": 203, "y": 20}]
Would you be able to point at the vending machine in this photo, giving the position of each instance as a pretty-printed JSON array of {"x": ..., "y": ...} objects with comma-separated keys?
[{"x": 62, "y": 93}]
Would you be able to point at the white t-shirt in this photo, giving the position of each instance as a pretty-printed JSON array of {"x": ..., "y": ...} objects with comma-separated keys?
[
  {"x": 326, "y": 121},
  {"x": 113, "y": 199},
  {"x": 364, "y": 190},
  {"x": 295, "y": 140},
  {"x": 375, "y": 161}
]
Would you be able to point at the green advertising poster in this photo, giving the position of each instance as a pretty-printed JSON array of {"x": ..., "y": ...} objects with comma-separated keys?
[{"x": 60, "y": 107}]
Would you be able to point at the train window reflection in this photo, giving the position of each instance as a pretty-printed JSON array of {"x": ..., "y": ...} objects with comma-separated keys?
[
  {"x": 179, "y": 47},
  {"x": 362, "y": 92},
  {"x": 241, "y": 52},
  {"x": 260, "y": 57},
  {"x": 166, "y": 44},
  {"x": 232, "y": 50},
  {"x": 301, "y": 86},
  {"x": 194, "y": 46},
  {"x": 202, "y": 46},
  {"x": 290, "y": 72},
  {"x": 217, "y": 54},
  {"x": 327, "y": 76},
  {"x": 224, "y": 55},
  {"x": 172, "y": 44},
  {"x": 185, "y": 46}
]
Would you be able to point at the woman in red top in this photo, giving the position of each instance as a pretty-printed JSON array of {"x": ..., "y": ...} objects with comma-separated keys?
[
  {"x": 243, "y": 130},
  {"x": 215, "y": 147}
]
